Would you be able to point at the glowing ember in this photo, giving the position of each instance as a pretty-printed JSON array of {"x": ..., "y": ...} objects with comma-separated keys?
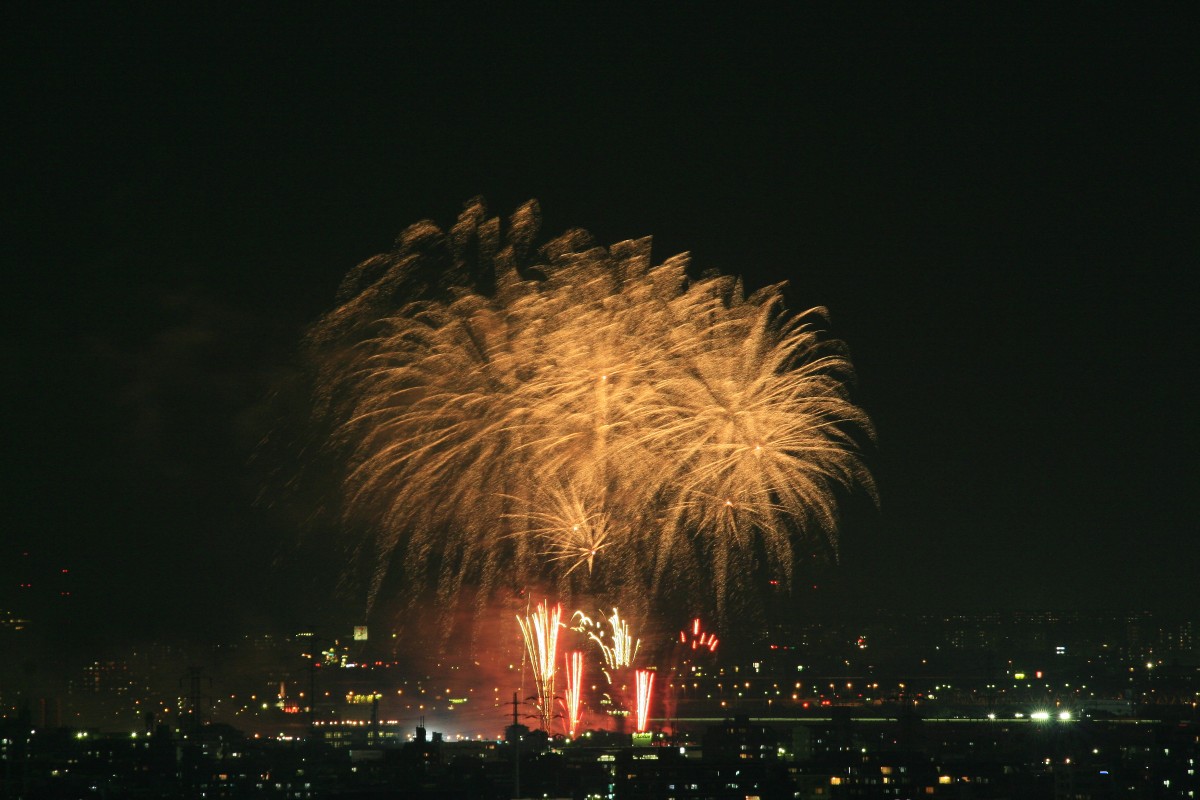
[{"x": 698, "y": 638}]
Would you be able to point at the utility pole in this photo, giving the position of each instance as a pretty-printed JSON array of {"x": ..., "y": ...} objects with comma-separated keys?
[
  {"x": 194, "y": 676},
  {"x": 312, "y": 693},
  {"x": 516, "y": 749},
  {"x": 313, "y": 660}
]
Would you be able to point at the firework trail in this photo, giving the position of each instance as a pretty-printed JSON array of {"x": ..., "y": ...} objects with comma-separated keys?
[
  {"x": 578, "y": 416},
  {"x": 571, "y": 531},
  {"x": 540, "y": 631},
  {"x": 698, "y": 638},
  {"x": 623, "y": 648},
  {"x": 645, "y": 686},
  {"x": 574, "y": 675}
]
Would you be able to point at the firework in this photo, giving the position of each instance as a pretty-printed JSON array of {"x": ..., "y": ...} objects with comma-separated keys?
[
  {"x": 698, "y": 638},
  {"x": 645, "y": 686},
  {"x": 540, "y": 631},
  {"x": 572, "y": 532},
  {"x": 574, "y": 675},
  {"x": 578, "y": 416},
  {"x": 621, "y": 648}
]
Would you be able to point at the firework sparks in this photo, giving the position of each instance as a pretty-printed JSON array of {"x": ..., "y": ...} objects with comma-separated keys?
[
  {"x": 621, "y": 648},
  {"x": 570, "y": 530},
  {"x": 540, "y": 631},
  {"x": 645, "y": 686},
  {"x": 578, "y": 415},
  {"x": 574, "y": 675},
  {"x": 698, "y": 638}
]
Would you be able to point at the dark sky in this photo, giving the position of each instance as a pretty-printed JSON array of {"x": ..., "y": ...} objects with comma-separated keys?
[{"x": 998, "y": 211}]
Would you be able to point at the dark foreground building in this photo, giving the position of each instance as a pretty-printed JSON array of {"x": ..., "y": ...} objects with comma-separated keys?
[{"x": 811, "y": 759}]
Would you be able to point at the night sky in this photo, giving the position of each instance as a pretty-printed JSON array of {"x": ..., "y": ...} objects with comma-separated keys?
[{"x": 998, "y": 211}]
